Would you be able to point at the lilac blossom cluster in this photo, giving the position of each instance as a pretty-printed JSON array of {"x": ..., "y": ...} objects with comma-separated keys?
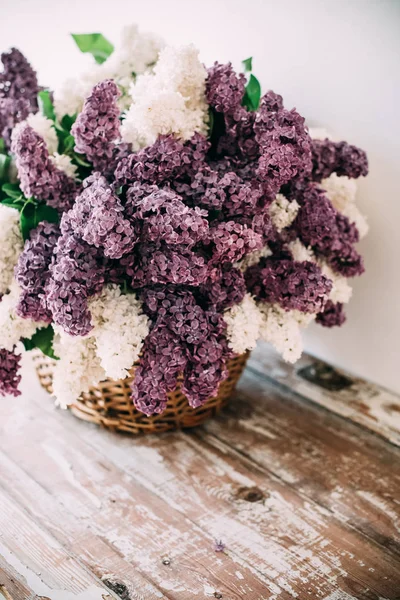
[
  {"x": 39, "y": 177},
  {"x": 98, "y": 125},
  {"x": 192, "y": 227},
  {"x": 18, "y": 92},
  {"x": 9, "y": 372},
  {"x": 32, "y": 272}
]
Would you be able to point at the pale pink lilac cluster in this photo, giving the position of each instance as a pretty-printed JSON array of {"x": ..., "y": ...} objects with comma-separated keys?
[{"x": 184, "y": 251}]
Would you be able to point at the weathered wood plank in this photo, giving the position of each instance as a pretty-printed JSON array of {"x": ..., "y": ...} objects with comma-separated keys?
[
  {"x": 291, "y": 539},
  {"x": 350, "y": 472},
  {"x": 139, "y": 525},
  {"x": 41, "y": 563},
  {"x": 11, "y": 587},
  {"x": 367, "y": 404},
  {"x": 102, "y": 559}
]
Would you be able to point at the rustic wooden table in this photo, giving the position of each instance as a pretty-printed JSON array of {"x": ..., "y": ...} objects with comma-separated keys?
[{"x": 299, "y": 482}]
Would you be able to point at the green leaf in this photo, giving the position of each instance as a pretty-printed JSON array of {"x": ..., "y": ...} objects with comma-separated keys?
[
  {"x": 42, "y": 339},
  {"x": 68, "y": 143},
  {"x": 94, "y": 43},
  {"x": 2, "y": 146},
  {"x": 67, "y": 121},
  {"x": 252, "y": 96},
  {"x": 12, "y": 190},
  {"x": 5, "y": 162},
  {"x": 32, "y": 214},
  {"x": 46, "y": 105},
  {"x": 247, "y": 64},
  {"x": 17, "y": 204},
  {"x": 79, "y": 159}
]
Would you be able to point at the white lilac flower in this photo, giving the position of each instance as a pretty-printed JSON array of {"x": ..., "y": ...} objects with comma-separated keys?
[
  {"x": 282, "y": 329},
  {"x": 135, "y": 54},
  {"x": 169, "y": 100},
  {"x": 341, "y": 290},
  {"x": 64, "y": 163},
  {"x": 13, "y": 327},
  {"x": 283, "y": 212},
  {"x": 120, "y": 326},
  {"x": 44, "y": 127},
  {"x": 243, "y": 325},
  {"x": 342, "y": 191},
  {"x": 180, "y": 69},
  {"x": 301, "y": 252},
  {"x": 319, "y": 133},
  {"x": 78, "y": 368},
  {"x": 253, "y": 258},
  {"x": 11, "y": 245}
]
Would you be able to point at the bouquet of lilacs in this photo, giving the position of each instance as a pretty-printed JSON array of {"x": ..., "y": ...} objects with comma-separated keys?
[{"x": 159, "y": 213}]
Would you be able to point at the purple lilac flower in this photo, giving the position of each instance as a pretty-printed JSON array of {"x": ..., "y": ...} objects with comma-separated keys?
[
  {"x": 231, "y": 241},
  {"x": 98, "y": 218},
  {"x": 332, "y": 315},
  {"x": 9, "y": 373},
  {"x": 18, "y": 79},
  {"x": 167, "y": 159},
  {"x": 77, "y": 272},
  {"x": 219, "y": 546},
  {"x": 228, "y": 289},
  {"x": 224, "y": 88},
  {"x": 12, "y": 111},
  {"x": 205, "y": 370},
  {"x": 98, "y": 126},
  {"x": 179, "y": 266},
  {"x": 32, "y": 272},
  {"x": 204, "y": 189},
  {"x": 18, "y": 92},
  {"x": 285, "y": 145},
  {"x": 337, "y": 157},
  {"x": 163, "y": 217},
  {"x": 291, "y": 284},
  {"x": 329, "y": 233},
  {"x": 38, "y": 175},
  {"x": 162, "y": 361}
]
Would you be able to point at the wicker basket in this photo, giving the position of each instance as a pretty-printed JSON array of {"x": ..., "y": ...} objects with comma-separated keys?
[{"x": 110, "y": 405}]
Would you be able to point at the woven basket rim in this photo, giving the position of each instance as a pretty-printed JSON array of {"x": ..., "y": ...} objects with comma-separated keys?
[{"x": 109, "y": 403}]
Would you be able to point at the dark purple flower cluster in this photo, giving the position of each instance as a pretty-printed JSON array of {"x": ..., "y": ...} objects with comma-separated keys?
[
  {"x": 97, "y": 127},
  {"x": 76, "y": 273},
  {"x": 224, "y": 88},
  {"x": 39, "y": 177},
  {"x": 163, "y": 217},
  {"x": 285, "y": 146},
  {"x": 32, "y": 272},
  {"x": 167, "y": 159},
  {"x": 329, "y": 233},
  {"x": 337, "y": 157},
  {"x": 186, "y": 339},
  {"x": 332, "y": 315},
  {"x": 98, "y": 218},
  {"x": 18, "y": 92},
  {"x": 291, "y": 284},
  {"x": 9, "y": 373}
]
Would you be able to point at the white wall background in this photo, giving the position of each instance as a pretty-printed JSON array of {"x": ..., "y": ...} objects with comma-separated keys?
[{"x": 337, "y": 61}]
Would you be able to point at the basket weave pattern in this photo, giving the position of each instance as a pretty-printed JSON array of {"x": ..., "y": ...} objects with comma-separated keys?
[{"x": 109, "y": 404}]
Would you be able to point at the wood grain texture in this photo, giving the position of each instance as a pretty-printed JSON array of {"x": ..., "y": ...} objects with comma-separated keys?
[
  {"x": 307, "y": 503},
  {"x": 362, "y": 402}
]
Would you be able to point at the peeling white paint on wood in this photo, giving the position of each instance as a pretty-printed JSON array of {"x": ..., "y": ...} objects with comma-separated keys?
[
  {"x": 305, "y": 508},
  {"x": 365, "y": 403}
]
